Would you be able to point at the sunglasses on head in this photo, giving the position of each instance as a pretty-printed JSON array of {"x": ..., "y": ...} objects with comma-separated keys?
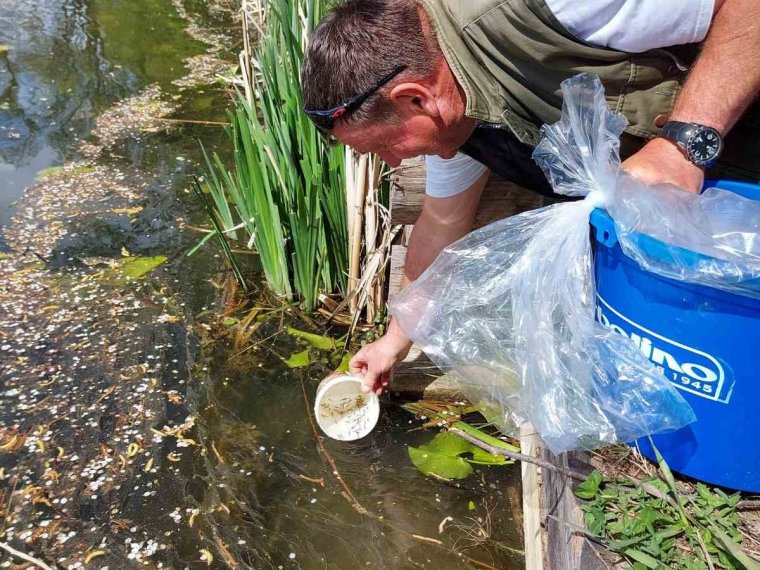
[{"x": 325, "y": 119}]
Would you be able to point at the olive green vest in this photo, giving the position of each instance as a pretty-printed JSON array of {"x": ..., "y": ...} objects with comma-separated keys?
[{"x": 511, "y": 56}]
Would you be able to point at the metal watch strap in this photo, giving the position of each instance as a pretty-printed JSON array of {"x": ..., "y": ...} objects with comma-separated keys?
[{"x": 677, "y": 132}]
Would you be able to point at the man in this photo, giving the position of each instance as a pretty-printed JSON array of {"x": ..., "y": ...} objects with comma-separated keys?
[{"x": 469, "y": 83}]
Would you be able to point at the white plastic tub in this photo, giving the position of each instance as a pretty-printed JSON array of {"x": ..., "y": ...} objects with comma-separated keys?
[{"x": 343, "y": 411}]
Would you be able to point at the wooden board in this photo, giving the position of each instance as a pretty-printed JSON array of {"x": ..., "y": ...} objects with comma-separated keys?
[
  {"x": 398, "y": 261},
  {"x": 531, "y": 494},
  {"x": 416, "y": 374},
  {"x": 565, "y": 546},
  {"x": 500, "y": 198}
]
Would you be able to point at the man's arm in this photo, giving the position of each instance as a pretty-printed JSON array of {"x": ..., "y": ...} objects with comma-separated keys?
[
  {"x": 722, "y": 84},
  {"x": 441, "y": 222}
]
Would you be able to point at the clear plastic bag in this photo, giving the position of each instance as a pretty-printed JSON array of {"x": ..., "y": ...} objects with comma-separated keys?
[
  {"x": 710, "y": 239},
  {"x": 508, "y": 311}
]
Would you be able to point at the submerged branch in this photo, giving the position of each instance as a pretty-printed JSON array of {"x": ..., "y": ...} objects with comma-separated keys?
[
  {"x": 19, "y": 554},
  {"x": 518, "y": 456}
]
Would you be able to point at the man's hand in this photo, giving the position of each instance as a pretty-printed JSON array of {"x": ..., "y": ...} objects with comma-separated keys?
[
  {"x": 441, "y": 222},
  {"x": 375, "y": 361},
  {"x": 660, "y": 161}
]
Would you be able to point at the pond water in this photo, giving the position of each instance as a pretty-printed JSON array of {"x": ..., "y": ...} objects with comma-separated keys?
[{"x": 132, "y": 432}]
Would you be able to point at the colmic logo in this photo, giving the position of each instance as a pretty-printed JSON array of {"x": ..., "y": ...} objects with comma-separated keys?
[{"x": 688, "y": 368}]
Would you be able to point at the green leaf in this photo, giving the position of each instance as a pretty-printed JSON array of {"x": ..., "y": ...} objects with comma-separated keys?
[
  {"x": 439, "y": 464},
  {"x": 669, "y": 533},
  {"x": 621, "y": 545},
  {"x": 644, "y": 559},
  {"x": 485, "y": 438},
  {"x": 441, "y": 457},
  {"x": 201, "y": 243},
  {"x": 219, "y": 232},
  {"x": 590, "y": 487},
  {"x": 138, "y": 267},
  {"x": 482, "y": 457},
  {"x": 448, "y": 443},
  {"x": 298, "y": 360},
  {"x": 343, "y": 366},
  {"x": 317, "y": 341},
  {"x": 471, "y": 506},
  {"x": 127, "y": 268},
  {"x": 734, "y": 549},
  {"x": 229, "y": 321},
  {"x": 667, "y": 474},
  {"x": 45, "y": 172},
  {"x": 594, "y": 520}
]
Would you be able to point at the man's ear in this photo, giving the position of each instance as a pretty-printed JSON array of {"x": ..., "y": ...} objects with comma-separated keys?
[{"x": 412, "y": 99}]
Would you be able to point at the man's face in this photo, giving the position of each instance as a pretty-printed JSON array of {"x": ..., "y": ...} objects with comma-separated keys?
[{"x": 408, "y": 138}]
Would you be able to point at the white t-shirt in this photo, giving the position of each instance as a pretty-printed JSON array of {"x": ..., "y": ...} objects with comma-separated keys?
[{"x": 626, "y": 25}]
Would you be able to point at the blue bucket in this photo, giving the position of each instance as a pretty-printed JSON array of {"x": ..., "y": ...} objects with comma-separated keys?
[{"x": 706, "y": 341}]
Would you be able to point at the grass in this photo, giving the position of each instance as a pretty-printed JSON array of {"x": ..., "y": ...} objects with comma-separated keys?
[{"x": 654, "y": 526}]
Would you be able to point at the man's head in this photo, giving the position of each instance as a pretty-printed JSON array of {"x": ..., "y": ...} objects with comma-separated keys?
[{"x": 417, "y": 107}]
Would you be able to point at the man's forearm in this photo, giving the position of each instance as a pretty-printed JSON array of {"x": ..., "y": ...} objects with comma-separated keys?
[
  {"x": 726, "y": 77},
  {"x": 426, "y": 242},
  {"x": 437, "y": 227}
]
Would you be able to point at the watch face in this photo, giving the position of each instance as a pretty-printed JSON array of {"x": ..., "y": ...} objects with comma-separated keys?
[{"x": 703, "y": 146}]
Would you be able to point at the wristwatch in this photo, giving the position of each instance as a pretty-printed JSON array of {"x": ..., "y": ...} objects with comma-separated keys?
[{"x": 700, "y": 144}]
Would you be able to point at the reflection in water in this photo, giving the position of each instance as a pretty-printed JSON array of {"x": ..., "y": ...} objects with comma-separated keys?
[
  {"x": 141, "y": 442},
  {"x": 66, "y": 61}
]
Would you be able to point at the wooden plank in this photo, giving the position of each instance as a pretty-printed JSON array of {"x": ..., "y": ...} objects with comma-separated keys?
[
  {"x": 416, "y": 374},
  {"x": 532, "y": 534},
  {"x": 565, "y": 548},
  {"x": 398, "y": 261},
  {"x": 500, "y": 199}
]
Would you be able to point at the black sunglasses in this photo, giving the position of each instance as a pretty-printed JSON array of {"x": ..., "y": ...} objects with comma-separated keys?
[{"x": 325, "y": 119}]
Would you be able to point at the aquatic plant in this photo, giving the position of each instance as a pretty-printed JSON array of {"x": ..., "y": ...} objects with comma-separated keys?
[
  {"x": 287, "y": 187},
  {"x": 308, "y": 207}
]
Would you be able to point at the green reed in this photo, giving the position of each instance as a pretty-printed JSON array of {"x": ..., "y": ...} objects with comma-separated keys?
[{"x": 286, "y": 192}]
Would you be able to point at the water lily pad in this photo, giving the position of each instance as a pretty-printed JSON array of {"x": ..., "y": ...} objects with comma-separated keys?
[
  {"x": 440, "y": 465},
  {"x": 130, "y": 268},
  {"x": 128, "y": 211},
  {"x": 448, "y": 456},
  {"x": 51, "y": 171},
  {"x": 298, "y": 360},
  {"x": 441, "y": 457}
]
